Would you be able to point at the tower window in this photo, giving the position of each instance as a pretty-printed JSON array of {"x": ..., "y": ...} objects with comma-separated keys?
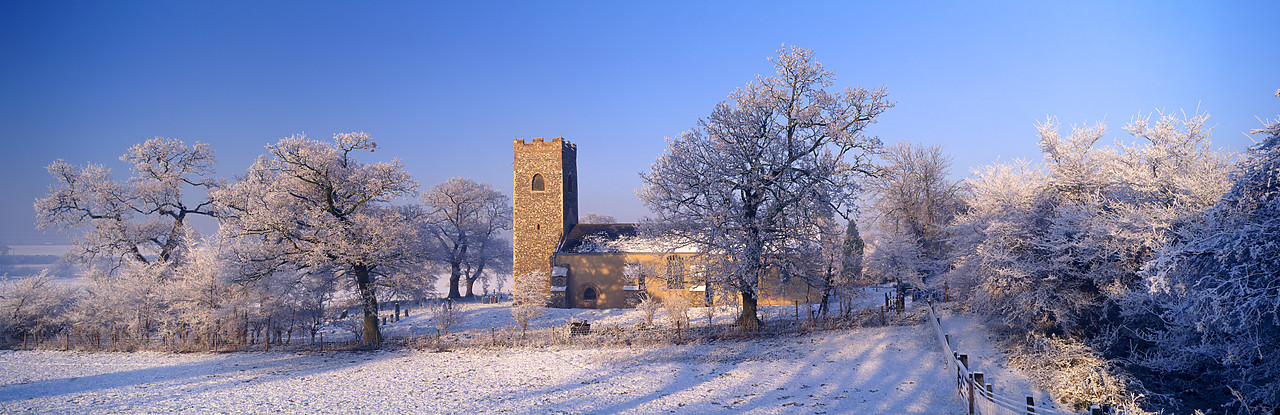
[{"x": 539, "y": 184}]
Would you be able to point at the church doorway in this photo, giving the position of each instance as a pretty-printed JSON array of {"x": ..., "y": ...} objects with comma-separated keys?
[{"x": 590, "y": 295}]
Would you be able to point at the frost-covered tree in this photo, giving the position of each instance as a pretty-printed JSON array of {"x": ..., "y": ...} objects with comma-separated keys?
[
  {"x": 851, "y": 265},
  {"x": 310, "y": 205},
  {"x": 180, "y": 303},
  {"x": 199, "y": 296},
  {"x": 529, "y": 298},
  {"x": 412, "y": 283},
  {"x": 314, "y": 298},
  {"x": 466, "y": 219},
  {"x": 499, "y": 281},
  {"x": 851, "y": 253},
  {"x": 136, "y": 243},
  {"x": 754, "y": 178},
  {"x": 913, "y": 200},
  {"x": 32, "y": 307},
  {"x": 1053, "y": 251},
  {"x": 676, "y": 307},
  {"x": 596, "y": 218},
  {"x": 1216, "y": 291},
  {"x": 834, "y": 261},
  {"x": 826, "y": 260},
  {"x": 991, "y": 235},
  {"x": 445, "y": 316},
  {"x": 128, "y": 304},
  {"x": 896, "y": 258},
  {"x": 141, "y": 219}
]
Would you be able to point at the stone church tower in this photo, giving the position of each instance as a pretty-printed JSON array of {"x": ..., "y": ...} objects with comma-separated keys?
[{"x": 546, "y": 206}]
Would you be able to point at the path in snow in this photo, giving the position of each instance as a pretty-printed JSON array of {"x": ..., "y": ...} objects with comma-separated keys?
[{"x": 974, "y": 338}]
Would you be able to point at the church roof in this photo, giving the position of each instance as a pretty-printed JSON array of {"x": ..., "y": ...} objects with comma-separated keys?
[
  {"x": 585, "y": 238},
  {"x": 596, "y": 237}
]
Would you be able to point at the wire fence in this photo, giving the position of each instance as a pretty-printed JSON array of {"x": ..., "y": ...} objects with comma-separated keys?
[{"x": 976, "y": 390}]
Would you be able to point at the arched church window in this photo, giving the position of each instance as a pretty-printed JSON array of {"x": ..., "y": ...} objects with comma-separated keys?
[
  {"x": 675, "y": 272},
  {"x": 539, "y": 184}
]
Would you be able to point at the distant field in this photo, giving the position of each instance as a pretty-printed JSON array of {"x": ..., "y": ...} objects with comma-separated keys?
[
  {"x": 26, "y": 260},
  {"x": 54, "y": 250}
]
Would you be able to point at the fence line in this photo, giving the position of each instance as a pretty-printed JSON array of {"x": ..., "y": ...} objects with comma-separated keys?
[{"x": 976, "y": 389}]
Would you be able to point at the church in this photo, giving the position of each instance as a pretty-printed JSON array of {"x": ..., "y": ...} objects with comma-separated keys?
[{"x": 603, "y": 265}]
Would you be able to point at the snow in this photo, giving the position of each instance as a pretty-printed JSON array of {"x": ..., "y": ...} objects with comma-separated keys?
[
  {"x": 873, "y": 370},
  {"x": 47, "y": 249},
  {"x": 973, "y": 337},
  {"x": 480, "y": 318}
]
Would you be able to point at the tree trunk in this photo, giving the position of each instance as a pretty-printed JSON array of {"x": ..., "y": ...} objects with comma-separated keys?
[
  {"x": 175, "y": 233},
  {"x": 473, "y": 277},
  {"x": 748, "y": 320},
  {"x": 754, "y": 258},
  {"x": 455, "y": 277},
  {"x": 826, "y": 296},
  {"x": 372, "y": 335},
  {"x": 471, "y": 285}
]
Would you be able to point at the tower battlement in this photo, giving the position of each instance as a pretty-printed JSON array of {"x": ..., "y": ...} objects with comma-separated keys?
[{"x": 542, "y": 144}]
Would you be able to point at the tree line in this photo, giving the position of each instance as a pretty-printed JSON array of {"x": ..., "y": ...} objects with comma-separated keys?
[{"x": 306, "y": 233}]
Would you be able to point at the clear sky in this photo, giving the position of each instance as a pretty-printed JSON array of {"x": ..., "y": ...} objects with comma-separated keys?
[{"x": 445, "y": 86}]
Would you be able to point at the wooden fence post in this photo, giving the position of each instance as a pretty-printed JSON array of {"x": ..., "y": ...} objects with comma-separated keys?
[
  {"x": 962, "y": 376},
  {"x": 1031, "y": 405},
  {"x": 969, "y": 380},
  {"x": 978, "y": 379}
]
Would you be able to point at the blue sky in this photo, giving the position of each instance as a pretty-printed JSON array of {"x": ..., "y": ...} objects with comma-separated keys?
[{"x": 446, "y": 86}]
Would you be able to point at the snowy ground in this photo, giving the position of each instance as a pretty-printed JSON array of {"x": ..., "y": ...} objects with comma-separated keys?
[
  {"x": 880, "y": 370},
  {"x": 886, "y": 370},
  {"x": 481, "y": 318},
  {"x": 973, "y": 337}
]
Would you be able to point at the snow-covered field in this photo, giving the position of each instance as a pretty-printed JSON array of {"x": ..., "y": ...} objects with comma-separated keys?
[
  {"x": 880, "y": 370},
  {"x": 479, "y": 319}
]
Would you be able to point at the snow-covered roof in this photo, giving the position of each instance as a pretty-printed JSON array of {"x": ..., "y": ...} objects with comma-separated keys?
[{"x": 616, "y": 238}]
